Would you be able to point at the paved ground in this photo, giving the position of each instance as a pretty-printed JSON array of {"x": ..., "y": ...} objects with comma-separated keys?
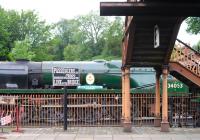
[{"x": 102, "y": 133}]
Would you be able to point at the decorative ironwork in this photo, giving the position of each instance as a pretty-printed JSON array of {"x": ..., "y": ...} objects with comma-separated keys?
[{"x": 187, "y": 57}]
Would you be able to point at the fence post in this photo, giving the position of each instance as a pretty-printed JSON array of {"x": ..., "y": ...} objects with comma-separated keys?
[
  {"x": 17, "y": 119},
  {"x": 65, "y": 108},
  {"x": 157, "y": 120}
]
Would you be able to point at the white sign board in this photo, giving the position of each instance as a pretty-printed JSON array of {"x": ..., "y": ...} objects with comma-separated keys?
[{"x": 65, "y": 76}]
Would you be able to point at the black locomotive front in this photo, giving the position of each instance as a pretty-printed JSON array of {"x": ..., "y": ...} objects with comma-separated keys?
[{"x": 20, "y": 74}]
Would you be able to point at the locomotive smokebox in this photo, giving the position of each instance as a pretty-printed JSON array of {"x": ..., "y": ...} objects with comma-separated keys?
[{"x": 13, "y": 75}]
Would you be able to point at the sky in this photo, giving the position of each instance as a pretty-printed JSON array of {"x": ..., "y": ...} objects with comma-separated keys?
[{"x": 54, "y": 10}]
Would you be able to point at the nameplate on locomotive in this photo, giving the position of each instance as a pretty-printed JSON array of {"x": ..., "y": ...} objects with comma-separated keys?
[{"x": 65, "y": 76}]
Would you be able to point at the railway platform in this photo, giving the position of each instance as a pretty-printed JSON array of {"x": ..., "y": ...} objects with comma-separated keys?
[{"x": 102, "y": 133}]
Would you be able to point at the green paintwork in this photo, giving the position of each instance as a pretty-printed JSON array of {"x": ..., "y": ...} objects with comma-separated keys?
[
  {"x": 47, "y": 78},
  {"x": 197, "y": 100},
  {"x": 56, "y": 91},
  {"x": 175, "y": 86},
  {"x": 79, "y": 91},
  {"x": 110, "y": 81},
  {"x": 111, "y": 66}
]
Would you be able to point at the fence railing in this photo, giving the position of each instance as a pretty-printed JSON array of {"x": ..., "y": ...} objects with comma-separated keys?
[
  {"x": 183, "y": 110},
  {"x": 46, "y": 110},
  {"x": 41, "y": 110},
  {"x": 143, "y": 109}
]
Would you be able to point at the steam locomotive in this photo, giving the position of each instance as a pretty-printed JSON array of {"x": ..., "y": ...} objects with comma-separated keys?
[
  {"x": 88, "y": 109},
  {"x": 24, "y": 74}
]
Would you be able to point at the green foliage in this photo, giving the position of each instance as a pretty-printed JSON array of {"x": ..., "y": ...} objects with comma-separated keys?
[
  {"x": 113, "y": 39},
  {"x": 71, "y": 52},
  {"x": 193, "y": 25},
  {"x": 43, "y": 53},
  {"x": 24, "y": 26},
  {"x": 66, "y": 31},
  {"x": 13, "y": 26},
  {"x": 53, "y": 49},
  {"x": 4, "y": 35},
  {"x": 106, "y": 57},
  {"x": 77, "y": 52},
  {"x": 32, "y": 28},
  {"x": 24, "y": 36},
  {"x": 4, "y": 51},
  {"x": 22, "y": 50},
  {"x": 93, "y": 27},
  {"x": 88, "y": 35},
  {"x": 197, "y": 46}
]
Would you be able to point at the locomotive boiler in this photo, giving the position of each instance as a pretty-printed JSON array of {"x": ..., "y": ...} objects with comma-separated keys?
[{"x": 24, "y": 74}]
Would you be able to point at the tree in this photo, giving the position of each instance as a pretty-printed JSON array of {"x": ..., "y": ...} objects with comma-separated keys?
[
  {"x": 66, "y": 33},
  {"x": 83, "y": 38},
  {"x": 92, "y": 28},
  {"x": 86, "y": 32},
  {"x": 22, "y": 50},
  {"x": 4, "y": 35},
  {"x": 66, "y": 30},
  {"x": 53, "y": 49},
  {"x": 32, "y": 28},
  {"x": 193, "y": 25},
  {"x": 43, "y": 53},
  {"x": 9, "y": 31},
  {"x": 71, "y": 52},
  {"x": 15, "y": 26},
  {"x": 38, "y": 33},
  {"x": 33, "y": 36},
  {"x": 77, "y": 52},
  {"x": 113, "y": 39},
  {"x": 197, "y": 47}
]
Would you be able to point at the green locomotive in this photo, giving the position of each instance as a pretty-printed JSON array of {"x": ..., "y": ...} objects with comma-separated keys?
[
  {"x": 40, "y": 104},
  {"x": 29, "y": 75}
]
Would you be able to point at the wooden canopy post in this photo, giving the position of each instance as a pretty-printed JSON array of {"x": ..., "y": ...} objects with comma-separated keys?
[
  {"x": 127, "y": 99},
  {"x": 123, "y": 94},
  {"x": 164, "y": 123}
]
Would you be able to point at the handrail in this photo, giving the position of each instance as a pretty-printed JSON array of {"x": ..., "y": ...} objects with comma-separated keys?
[
  {"x": 187, "y": 57},
  {"x": 186, "y": 45}
]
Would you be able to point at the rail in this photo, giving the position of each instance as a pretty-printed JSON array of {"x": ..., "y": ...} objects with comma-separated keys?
[
  {"x": 187, "y": 57},
  {"x": 46, "y": 110}
]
